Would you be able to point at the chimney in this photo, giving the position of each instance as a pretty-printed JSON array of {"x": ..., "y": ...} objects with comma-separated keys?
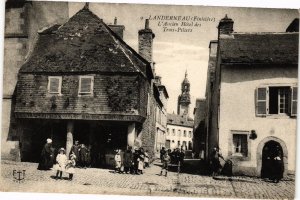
[
  {"x": 225, "y": 26},
  {"x": 158, "y": 80},
  {"x": 117, "y": 29},
  {"x": 146, "y": 37}
]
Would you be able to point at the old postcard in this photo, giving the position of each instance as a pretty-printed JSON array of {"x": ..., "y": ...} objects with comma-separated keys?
[{"x": 151, "y": 100}]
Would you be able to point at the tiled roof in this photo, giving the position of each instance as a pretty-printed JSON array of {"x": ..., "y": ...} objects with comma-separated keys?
[
  {"x": 259, "y": 48},
  {"x": 180, "y": 120},
  {"x": 83, "y": 44}
]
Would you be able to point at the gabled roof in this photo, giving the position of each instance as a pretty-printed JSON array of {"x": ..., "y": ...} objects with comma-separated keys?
[
  {"x": 84, "y": 44},
  {"x": 259, "y": 48},
  {"x": 179, "y": 120}
]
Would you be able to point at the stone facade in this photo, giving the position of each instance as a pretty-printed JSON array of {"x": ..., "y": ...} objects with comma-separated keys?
[
  {"x": 244, "y": 118},
  {"x": 120, "y": 109},
  {"x": 22, "y": 21}
]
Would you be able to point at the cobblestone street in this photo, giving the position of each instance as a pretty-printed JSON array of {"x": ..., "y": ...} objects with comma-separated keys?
[{"x": 104, "y": 181}]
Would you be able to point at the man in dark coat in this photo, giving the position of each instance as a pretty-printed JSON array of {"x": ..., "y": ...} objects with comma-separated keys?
[
  {"x": 277, "y": 167},
  {"x": 46, "y": 161},
  {"x": 162, "y": 153},
  {"x": 128, "y": 159},
  {"x": 215, "y": 162},
  {"x": 83, "y": 156},
  {"x": 75, "y": 150}
]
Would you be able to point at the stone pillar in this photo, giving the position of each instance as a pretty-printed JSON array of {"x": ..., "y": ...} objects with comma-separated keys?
[
  {"x": 70, "y": 130},
  {"x": 131, "y": 134}
]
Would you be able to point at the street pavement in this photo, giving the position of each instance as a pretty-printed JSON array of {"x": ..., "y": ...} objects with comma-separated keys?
[{"x": 104, "y": 181}]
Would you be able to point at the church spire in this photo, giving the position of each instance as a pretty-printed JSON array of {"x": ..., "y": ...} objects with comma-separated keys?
[{"x": 184, "y": 99}]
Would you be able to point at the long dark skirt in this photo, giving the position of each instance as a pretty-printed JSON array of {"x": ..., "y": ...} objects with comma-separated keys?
[{"x": 46, "y": 163}]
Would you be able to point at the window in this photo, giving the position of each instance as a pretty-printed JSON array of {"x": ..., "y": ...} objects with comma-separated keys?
[
  {"x": 190, "y": 134},
  {"x": 184, "y": 133},
  {"x": 240, "y": 145},
  {"x": 179, "y": 133},
  {"x": 54, "y": 84},
  {"x": 86, "y": 85},
  {"x": 173, "y": 132},
  {"x": 168, "y": 131},
  {"x": 276, "y": 101},
  {"x": 178, "y": 143}
]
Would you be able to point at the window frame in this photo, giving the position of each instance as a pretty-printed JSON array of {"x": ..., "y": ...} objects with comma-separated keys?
[
  {"x": 291, "y": 100},
  {"x": 59, "y": 85},
  {"x": 91, "y": 88},
  {"x": 231, "y": 149}
]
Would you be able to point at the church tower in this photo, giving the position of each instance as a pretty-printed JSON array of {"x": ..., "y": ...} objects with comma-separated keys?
[{"x": 184, "y": 99}]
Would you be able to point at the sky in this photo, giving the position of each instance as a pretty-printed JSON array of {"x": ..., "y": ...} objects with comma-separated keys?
[{"x": 176, "y": 52}]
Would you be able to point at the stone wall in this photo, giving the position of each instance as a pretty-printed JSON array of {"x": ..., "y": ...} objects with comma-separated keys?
[
  {"x": 21, "y": 26},
  {"x": 120, "y": 90}
]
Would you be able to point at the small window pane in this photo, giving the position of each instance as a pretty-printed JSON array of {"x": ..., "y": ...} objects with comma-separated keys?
[
  {"x": 240, "y": 144},
  {"x": 261, "y": 107},
  {"x": 54, "y": 85},
  {"x": 261, "y": 94},
  {"x": 86, "y": 84}
]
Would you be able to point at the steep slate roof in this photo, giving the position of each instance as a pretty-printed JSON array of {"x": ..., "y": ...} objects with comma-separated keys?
[
  {"x": 179, "y": 120},
  {"x": 83, "y": 44},
  {"x": 259, "y": 48}
]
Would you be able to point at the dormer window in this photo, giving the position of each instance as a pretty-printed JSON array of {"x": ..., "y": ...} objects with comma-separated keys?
[
  {"x": 54, "y": 84},
  {"x": 86, "y": 85}
]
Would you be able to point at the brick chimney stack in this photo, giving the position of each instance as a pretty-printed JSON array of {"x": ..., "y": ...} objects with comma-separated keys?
[
  {"x": 225, "y": 26},
  {"x": 146, "y": 37},
  {"x": 117, "y": 29}
]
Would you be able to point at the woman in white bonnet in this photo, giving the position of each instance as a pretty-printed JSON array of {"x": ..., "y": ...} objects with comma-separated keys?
[{"x": 46, "y": 160}]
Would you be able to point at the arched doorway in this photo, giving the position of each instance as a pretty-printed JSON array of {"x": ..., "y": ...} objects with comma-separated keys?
[
  {"x": 270, "y": 150},
  {"x": 265, "y": 149}
]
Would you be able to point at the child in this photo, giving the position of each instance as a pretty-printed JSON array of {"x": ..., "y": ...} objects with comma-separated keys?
[
  {"x": 146, "y": 161},
  {"x": 141, "y": 160},
  {"x": 70, "y": 167},
  {"x": 118, "y": 161},
  {"x": 166, "y": 160},
  {"x": 61, "y": 161}
]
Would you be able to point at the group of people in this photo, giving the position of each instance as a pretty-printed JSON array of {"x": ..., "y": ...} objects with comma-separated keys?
[
  {"x": 131, "y": 161},
  {"x": 82, "y": 153},
  {"x": 167, "y": 157},
  {"x": 63, "y": 163},
  {"x": 273, "y": 166}
]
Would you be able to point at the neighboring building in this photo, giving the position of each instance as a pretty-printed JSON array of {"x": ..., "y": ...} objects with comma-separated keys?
[
  {"x": 180, "y": 126},
  {"x": 179, "y": 132},
  {"x": 199, "y": 136},
  {"x": 83, "y": 82},
  {"x": 22, "y": 21},
  {"x": 161, "y": 115},
  {"x": 252, "y": 97}
]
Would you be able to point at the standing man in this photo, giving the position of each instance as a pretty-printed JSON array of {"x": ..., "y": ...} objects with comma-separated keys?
[
  {"x": 215, "y": 162},
  {"x": 162, "y": 153},
  {"x": 75, "y": 150}
]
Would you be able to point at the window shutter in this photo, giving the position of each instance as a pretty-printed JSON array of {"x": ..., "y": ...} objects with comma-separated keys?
[
  {"x": 294, "y": 95},
  {"x": 54, "y": 85},
  {"x": 262, "y": 107},
  {"x": 85, "y": 85}
]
